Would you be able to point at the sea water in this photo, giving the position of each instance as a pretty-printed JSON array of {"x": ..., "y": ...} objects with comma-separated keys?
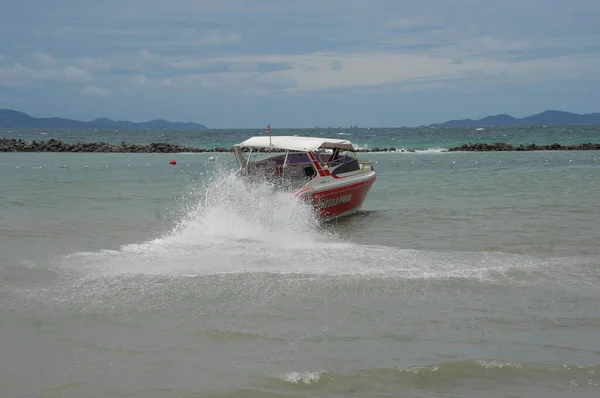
[{"x": 464, "y": 275}]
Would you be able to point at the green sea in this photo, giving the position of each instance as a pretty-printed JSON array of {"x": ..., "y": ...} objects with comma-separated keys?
[{"x": 464, "y": 275}]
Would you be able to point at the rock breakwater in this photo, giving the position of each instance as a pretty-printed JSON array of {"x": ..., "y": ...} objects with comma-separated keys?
[
  {"x": 503, "y": 147},
  {"x": 52, "y": 145}
]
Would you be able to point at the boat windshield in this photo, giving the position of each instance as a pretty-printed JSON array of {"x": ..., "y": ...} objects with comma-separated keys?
[{"x": 287, "y": 168}]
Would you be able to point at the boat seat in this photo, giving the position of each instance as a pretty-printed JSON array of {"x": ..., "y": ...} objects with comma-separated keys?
[{"x": 299, "y": 171}]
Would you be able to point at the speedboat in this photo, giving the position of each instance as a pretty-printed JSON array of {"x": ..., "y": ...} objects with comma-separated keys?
[{"x": 323, "y": 172}]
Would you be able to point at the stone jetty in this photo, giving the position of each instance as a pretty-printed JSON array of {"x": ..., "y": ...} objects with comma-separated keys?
[
  {"x": 502, "y": 147},
  {"x": 52, "y": 145}
]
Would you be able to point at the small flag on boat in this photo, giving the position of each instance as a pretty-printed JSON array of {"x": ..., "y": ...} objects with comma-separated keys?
[{"x": 268, "y": 131}]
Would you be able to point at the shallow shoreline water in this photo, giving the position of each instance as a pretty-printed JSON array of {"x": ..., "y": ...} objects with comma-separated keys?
[{"x": 465, "y": 272}]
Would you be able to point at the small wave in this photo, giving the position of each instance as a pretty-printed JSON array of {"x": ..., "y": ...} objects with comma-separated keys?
[
  {"x": 499, "y": 364},
  {"x": 431, "y": 150},
  {"x": 306, "y": 377},
  {"x": 111, "y": 349},
  {"x": 428, "y": 150},
  {"x": 404, "y": 150},
  {"x": 232, "y": 335},
  {"x": 453, "y": 373},
  {"x": 297, "y": 255}
]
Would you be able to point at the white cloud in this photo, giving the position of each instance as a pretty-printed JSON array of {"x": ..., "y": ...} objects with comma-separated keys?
[
  {"x": 314, "y": 72},
  {"x": 486, "y": 60},
  {"x": 144, "y": 62},
  {"x": 73, "y": 74},
  {"x": 203, "y": 52},
  {"x": 93, "y": 65},
  {"x": 17, "y": 75},
  {"x": 43, "y": 60},
  {"x": 219, "y": 83},
  {"x": 14, "y": 75},
  {"x": 189, "y": 38},
  {"x": 468, "y": 60},
  {"x": 408, "y": 23},
  {"x": 94, "y": 91},
  {"x": 211, "y": 38},
  {"x": 139, "y": 80},
  {"x": 142, "y": 80},
  {"x": 243, "y": 66}
]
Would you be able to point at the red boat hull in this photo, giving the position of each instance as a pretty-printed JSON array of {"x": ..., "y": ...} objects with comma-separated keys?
[{"x": 339, "y": 201}]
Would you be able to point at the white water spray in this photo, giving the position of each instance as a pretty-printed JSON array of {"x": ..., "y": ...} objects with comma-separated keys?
[
  {"x": 228, "y": 225},
  {"x": 232, "y": 226}
]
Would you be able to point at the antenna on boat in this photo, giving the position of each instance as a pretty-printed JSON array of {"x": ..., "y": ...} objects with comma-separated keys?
[{"x": 268, "y": 131}]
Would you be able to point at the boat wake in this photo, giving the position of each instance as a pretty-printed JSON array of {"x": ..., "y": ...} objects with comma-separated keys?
[
  {"x": 256, "y": 245},
  {"x": 251, "y": 229},
  {"x": 226, "y": 207},
  {"x": 226, "y": 224}
]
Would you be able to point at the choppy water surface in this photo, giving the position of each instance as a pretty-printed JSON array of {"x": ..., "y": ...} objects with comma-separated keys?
[
  {"x": 465, "y": 275},
  {"x": 420, "y": 139}
]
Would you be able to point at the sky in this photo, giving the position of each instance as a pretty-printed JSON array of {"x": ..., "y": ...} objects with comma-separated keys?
[{"x": 298, "y": 63}]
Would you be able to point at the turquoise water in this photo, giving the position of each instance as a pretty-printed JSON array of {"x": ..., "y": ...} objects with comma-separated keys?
[
  {"x": 464, "y": 274},
  {"x": 424, "y": 138}
]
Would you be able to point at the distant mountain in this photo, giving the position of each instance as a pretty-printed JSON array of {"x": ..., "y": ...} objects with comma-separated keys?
[
  {"x": 14, "y": 119},
  {"x": 546, "y": 118}
]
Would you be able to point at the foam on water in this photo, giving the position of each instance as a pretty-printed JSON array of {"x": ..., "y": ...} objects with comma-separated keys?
[
  {"x": 306, "y": 377},
  {"x": 228, "y": 225},
  {"x": 403, "y": 150},
  {"x": 432, "y": 150},
  {"x": 450, "y": 374}
]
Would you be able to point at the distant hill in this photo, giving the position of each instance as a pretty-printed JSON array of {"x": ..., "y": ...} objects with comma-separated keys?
[
  {"x": 14, "y": 119},
  {"x": 546, "y": 118}
]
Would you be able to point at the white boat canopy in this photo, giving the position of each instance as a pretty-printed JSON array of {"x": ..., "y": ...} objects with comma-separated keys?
[{"x": 294, "y": 143}]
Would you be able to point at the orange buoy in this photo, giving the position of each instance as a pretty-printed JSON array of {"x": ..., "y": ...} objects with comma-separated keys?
[{"x": 172, "y": 161}]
